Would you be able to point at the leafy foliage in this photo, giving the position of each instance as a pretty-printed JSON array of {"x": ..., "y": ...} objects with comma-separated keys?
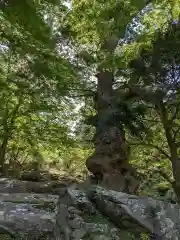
[
  {"x": 35, "y": 84},
  {"x": 49, "y": 57},
  {"x": 156, "y": 74}
]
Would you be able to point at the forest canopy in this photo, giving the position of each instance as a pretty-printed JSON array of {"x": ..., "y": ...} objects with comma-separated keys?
[{"x": 71, "y": 70}]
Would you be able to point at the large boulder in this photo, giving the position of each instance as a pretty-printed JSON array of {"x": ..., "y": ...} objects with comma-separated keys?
[
  {"x": 77, "y": 219},
  {"x": 28, "y": 216},
  {"x": 138, "y": 214},
  {"x": 83, "y": 212},
  {"x": 17, "y": 186}
]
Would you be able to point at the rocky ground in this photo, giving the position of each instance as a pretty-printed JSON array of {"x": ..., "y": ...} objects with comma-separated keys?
[{"x": 68, "y": 210}]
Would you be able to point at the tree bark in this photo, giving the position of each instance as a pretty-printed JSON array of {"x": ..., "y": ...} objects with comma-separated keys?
[
  {"x": 175, "y": 160},
  {"x": 8, "y": 123},
  {"x": 109, "y": 163},
  {"x": 3, "y": 152},
  {"x": 4, "y": 141},
  {"x": 108, "y": 138},
  {"x": 38, "y": 158}
]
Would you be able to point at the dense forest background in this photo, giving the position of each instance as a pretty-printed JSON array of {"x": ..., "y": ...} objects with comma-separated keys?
[{"x": 50, "y": 53}]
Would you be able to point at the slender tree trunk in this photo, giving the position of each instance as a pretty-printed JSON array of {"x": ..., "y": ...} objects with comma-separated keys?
[
  {"x": 4, "y": 143},
  {"x": 38, "y": 157},
  {"x": 175, "y": 160},
  {"x": 3, "y": 152},
  {"x": 8, "y": 123}
]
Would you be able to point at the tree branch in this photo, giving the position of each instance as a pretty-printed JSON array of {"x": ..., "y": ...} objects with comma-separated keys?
[
  {"x": 177, "y": 144},
  {"x": 163, "y": 174},
  {"x": 152, "y": 146},
  {"x": 176, "y": 133},
  {"x": 175, "y": 113}
]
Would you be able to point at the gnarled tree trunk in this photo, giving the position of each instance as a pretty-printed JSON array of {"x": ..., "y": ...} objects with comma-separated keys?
[{"x": 109, "y": 163}]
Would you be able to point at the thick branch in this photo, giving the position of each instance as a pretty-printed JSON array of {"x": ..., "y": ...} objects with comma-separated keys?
[
  {"x": 175, "y": 113},
  {"x": 152, "y": 146},
  {"x": 171, "y": 144},
  {"x": 176, "y": 133},
  {"x": 15, "y": 111}
]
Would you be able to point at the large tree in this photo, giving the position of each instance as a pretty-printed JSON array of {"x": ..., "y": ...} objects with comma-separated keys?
[
  {"x": 44, "y": 45},
  {"x": 96, "y": 28},
  {"x": 155, "y": 80}
]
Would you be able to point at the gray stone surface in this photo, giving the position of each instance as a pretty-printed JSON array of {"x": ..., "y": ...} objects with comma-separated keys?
[
  {"x": 75, "y": 214},
  {"x": 78, "y": 219},
  {"x": 140, "y": 214},
  {"x": 17, "y": 186},
  {"x": 32, "y": 216}
]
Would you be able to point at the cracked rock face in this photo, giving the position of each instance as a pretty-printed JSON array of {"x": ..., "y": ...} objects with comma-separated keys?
[
  {"x": 140, "y": 214},
  {"x": 82, "y": 220},
  {"x": 91, "y": 214},
  {"x": 30, "y": 216}
]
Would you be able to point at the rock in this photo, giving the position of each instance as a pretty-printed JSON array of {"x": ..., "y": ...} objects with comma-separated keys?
[
  {"x": 38, "y": 176},
  {"x": 82, "y": 213},
  {"x": 31, "y": 216},
  {"x": 78, "y": 219},
  {"x": 17, "y": 186},
  {"x": 33, "y": 176},
  {"x": 139, "y": 214}
]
